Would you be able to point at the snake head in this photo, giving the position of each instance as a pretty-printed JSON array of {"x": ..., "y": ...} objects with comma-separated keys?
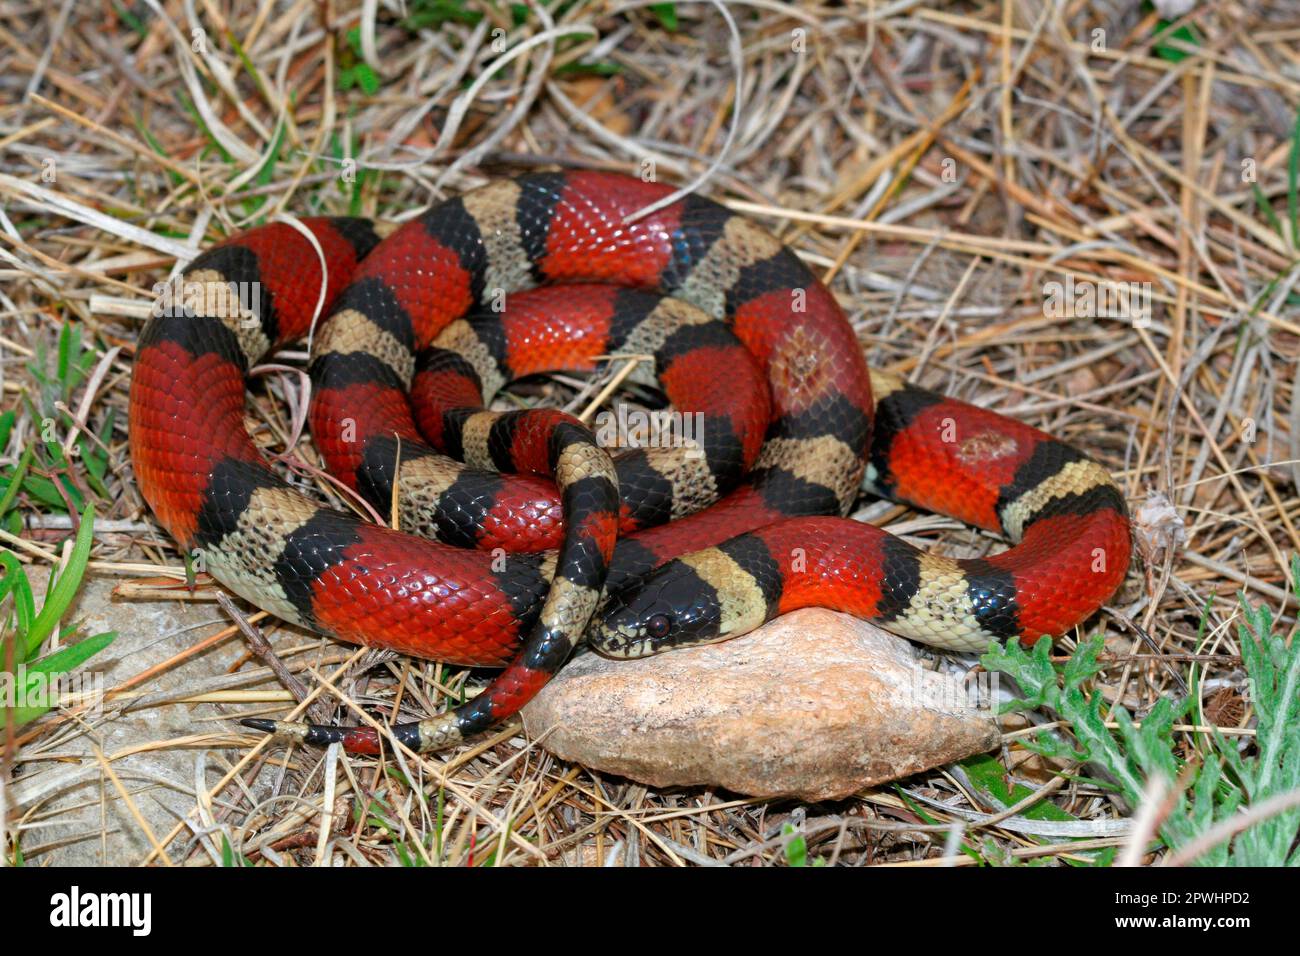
[{"x": 670, "y": 607}]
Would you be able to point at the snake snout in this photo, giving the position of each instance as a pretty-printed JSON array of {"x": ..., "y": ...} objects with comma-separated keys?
[{"x": 671, "y": 607}]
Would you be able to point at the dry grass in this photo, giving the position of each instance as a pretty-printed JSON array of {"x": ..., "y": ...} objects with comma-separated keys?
[{"x": 937, "y": 167}]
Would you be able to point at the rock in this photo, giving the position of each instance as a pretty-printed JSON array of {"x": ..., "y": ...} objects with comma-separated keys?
[{"x": 815, "y": 704}]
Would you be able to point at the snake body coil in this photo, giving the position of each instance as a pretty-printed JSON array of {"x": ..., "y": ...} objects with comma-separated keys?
[{"x": 749, "y": 339}]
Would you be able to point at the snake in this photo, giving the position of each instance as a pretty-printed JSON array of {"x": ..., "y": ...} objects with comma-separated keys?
[{"x": 509, "y": 537}]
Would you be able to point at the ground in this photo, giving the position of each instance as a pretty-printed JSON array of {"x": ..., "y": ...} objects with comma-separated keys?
[{"x": 1081, "y": 215}]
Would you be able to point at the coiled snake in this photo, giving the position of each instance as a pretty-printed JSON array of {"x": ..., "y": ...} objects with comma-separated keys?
[{"x": 543, "y": 273}]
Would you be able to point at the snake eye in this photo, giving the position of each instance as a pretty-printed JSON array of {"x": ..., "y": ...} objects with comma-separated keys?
[{"x": 659, "y": 626}]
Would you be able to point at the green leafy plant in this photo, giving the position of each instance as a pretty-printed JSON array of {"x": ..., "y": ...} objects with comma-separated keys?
[
  {"x": 666, "y": 14},
  {"x": 1292, "y": 187},
  {"x": 43, "y": 470},
  {"x": 423, "y": 14},
  {"x": 379, "y": 815},
  {"x": 131, "y": 20},
  {"x": 24, "y": 631},
  {"x": 229, "y": 858},
  {"x": 796, "y": 848},
  {"x": 1166, "y": 31},
  {"x": 987, "y": 776},
  {"x": 353, "y": 70},
  {"x": 589, "y": 68},
  {"x": 1213, "y": 785}
]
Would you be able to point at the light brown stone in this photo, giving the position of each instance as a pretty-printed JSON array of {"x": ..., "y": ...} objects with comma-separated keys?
[{"x": 816, "y": 705}]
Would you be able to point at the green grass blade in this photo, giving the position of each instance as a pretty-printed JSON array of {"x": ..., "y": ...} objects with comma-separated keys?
[
  {"x": 1292, "y": 176},
  {"x": 64, "y": 589},
  {"x": 47, "y": 670},
  {"x": 666, "y": 14},
  {"x": 15, "y": 582},
  {"x": 16, "y": 481}
]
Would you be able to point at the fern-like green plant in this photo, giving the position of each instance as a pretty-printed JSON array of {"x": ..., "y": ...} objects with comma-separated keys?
[{"x": 1218, "y": 784}]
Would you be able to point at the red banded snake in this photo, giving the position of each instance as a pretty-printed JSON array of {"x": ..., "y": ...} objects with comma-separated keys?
[{"x": 749, "y": 338}]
